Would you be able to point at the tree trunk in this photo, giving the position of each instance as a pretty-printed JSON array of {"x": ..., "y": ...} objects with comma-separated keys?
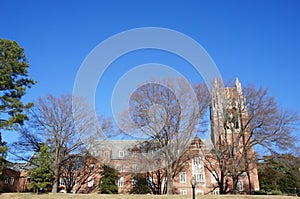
[
  {"x": 56, "y": 171},
  {"x": 249, "y": 181},
  {"x": 55, "y": 181},
  {"x": 169, "y": 181}
]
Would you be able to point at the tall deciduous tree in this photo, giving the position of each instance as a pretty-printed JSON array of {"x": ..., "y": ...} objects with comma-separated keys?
[
  {"x": 65, "y": 131},
  {"x": 28, "y": 143},
  {"x": 168, "y": 114},
  {"x": 14, "y": 81},
  {"x": 41, "y": 175}
]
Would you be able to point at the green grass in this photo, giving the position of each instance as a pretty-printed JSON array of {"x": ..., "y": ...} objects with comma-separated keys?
[{"x": 102, "y": 196}]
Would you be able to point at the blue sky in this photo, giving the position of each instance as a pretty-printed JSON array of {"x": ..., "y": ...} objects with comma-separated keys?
[{"x": 257, "y": 41}]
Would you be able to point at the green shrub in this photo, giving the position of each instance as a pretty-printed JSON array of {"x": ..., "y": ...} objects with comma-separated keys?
[{"x": 275, "y": 192}]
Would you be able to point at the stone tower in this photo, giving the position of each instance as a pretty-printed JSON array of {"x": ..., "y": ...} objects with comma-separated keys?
[
  {"x": 228, "y": 116},
  {"x": 227, "y": 110}
]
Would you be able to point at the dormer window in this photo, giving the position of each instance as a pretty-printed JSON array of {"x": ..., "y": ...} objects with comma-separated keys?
[
  {"x": 121, "y": 154},
  {"x": 106, "y": 154}
]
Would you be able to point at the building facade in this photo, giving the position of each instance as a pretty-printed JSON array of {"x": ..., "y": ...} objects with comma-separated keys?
[{"x": 203, "y": 162}]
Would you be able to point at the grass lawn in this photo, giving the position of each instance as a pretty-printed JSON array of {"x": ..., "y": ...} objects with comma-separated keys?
[{"x": 98, "y": 196}]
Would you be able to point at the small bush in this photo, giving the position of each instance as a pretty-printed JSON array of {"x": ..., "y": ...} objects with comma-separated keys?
[
  {"x": 260, "y": 192},
  {"x": 275, "y": 192}
]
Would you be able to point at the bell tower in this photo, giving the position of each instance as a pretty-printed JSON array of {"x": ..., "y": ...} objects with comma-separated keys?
[
  {"x": 227, "y": 111},
  {"x": 230, "y": 133}
]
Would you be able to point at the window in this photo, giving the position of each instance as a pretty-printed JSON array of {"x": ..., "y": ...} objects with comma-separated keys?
[
  {"x": 134, "y": 154},
  {"x": 133, "y": 182},
  {"x": 106, "y": 154},
  {"x": 213, "y": 177},
  {"x": 150, "y": 181},
  {"x": 92, "y": 167},
  {"x": 62, "y": 182},
  {"x": 73, "y": 181},
  {"x": 12, "y": 180},
  {"x": 165, "y": 182},
  {"x": 120, "y": 181},
  {"x": 90, "y": 181},
  {"x": 77, "y": 166},
  {"x": 239, "y": 185},
  {"x": 121, "y": 154},
  {"x": 183, "y": 192},
  {"x": 215, "y": 192},
  {"x": 199, "y": 178},
  {"x": 182, "y": 176},
  {"x": 134, "y": 168},
  {"x": 198, "y": 170},
  {"x": 120, "y": 168},
  {"x": 6, "y": 180}
]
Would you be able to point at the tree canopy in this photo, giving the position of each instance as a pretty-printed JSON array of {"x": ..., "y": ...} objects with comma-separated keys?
[
  {"x": 14, "y": 81},
  {"x": 279, "y": 173},
  {"x": 41, "y": 175},
  {"x": 108, "y": 184}
]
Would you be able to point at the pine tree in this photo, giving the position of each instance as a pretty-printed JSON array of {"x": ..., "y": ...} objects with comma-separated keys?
[
  {"x": 107, "y": 184},
  {"x": 140, "y": 185},
  {"x": 13, "y": 83},
  {"x": 41, "y": 175}
]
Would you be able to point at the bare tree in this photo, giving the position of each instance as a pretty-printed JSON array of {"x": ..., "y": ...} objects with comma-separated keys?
[
  {"x": 167, "y": 113},
  {"x": 240, "y": 122},
  {"x": 77, "y": 170},
  {"x": 67, "y": 132}
]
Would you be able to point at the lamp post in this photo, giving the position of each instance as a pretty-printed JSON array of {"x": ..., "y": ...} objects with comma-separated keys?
[{"x": 193, "y": 183}]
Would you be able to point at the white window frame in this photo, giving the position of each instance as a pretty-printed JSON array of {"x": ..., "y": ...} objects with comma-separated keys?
[
  {"x": 121, "y": 154},
  {"x": 182, "y": 177},
  {"x": 92, "y": 167},
  {"x": 213, "y": 179},
  {"x": 121, "y": 181},
  {"x": 90, "y": 181},
  {"x": 183, "y": 192},
  {"x": 12, "y": 180},
  {"x": 199, "y": 178},
  {"x": 106, "y": 154},
  {"x": 120, "y": 168},
  {"x": 198, "y": 169},
  {"x": 134, "y": 167},
  {"x": 240, "y": 185},
  {"x": 62, "y": 182},
  {"x": 133, "y": 181},
  {"x": 216, "y": 192}
]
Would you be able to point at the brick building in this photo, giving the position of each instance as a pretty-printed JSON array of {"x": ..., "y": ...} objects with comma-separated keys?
[{"x": 227, "y": 112}]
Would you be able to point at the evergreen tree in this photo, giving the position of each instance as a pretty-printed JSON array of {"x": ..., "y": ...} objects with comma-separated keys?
[
  {"x": 41, "y": 175},
  {"x": 140, "y": 185},
  {"x": 279, "y": 173},
  {"x": 13, "y": 83},
  {"x": 108, "y": 184}
]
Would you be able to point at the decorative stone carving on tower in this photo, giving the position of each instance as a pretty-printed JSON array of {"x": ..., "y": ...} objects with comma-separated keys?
[{"x": 227, "y": 110}]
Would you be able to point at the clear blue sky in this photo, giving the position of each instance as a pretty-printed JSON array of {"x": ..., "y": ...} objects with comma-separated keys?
[{"x": 255, "y": 40}]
